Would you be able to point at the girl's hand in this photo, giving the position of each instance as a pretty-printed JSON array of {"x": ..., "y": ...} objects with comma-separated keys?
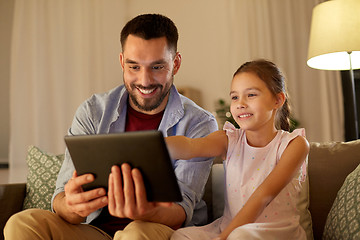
[
  {"x": 223, "y": 236},
  {"x": 218, "y": 238}
]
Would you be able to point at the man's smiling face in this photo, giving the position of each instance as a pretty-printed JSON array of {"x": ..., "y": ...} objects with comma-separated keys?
[{"x": 149, "y": 67}]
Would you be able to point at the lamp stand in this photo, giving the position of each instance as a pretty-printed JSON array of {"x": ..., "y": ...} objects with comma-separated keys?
[{"x": 353, "y": 127}]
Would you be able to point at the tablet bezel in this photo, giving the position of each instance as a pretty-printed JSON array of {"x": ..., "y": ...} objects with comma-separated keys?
[{"x": 144, "y": 150}]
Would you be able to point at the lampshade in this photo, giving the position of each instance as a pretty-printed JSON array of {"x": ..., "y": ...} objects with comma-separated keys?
[{"x": 335, "y": 32}]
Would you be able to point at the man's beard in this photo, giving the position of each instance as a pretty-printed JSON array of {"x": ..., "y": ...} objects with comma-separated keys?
[{"x": 151, "y": 103}]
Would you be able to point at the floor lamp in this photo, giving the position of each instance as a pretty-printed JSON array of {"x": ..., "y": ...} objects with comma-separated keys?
[{"x": 335, "y": 44}]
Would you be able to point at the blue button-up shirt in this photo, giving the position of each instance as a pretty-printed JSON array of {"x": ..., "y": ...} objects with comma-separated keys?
[{"x": 106, "y": 113}]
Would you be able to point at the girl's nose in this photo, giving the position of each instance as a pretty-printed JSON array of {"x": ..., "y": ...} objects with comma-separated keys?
[{"x": 241, "y": 104}]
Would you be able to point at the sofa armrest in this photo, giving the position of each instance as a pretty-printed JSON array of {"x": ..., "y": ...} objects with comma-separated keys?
[
  {"x": 218, "y": 190},
  {"x": 214, "y": 192},
  {"x": 11, "y": 201}
]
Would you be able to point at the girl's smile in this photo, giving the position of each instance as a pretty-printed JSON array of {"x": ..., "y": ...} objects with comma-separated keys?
[{"x": 247, "y": 115}]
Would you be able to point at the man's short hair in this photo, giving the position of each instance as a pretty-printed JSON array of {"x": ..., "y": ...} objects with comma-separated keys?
[{"x": 149, "y": 26}]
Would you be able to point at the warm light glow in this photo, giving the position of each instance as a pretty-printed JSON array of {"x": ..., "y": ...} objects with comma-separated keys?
[
  {"x": 335, "y": 31},
  {"x": 335, "y": 61}
]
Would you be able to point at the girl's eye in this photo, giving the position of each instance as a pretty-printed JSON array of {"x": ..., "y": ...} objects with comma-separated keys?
[
  {"x": 251, "y": 95},
  {"x": 234, "y": 98}
]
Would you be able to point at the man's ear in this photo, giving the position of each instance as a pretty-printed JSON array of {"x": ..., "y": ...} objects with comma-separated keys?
[
  {"x": 177, "y": 62},
  {"x": 121, "y": 60},
  {"x": 280, "y": 100}
]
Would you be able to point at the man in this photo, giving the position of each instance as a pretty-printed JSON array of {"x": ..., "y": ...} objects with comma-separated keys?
[{"x": 147, "y": 100}]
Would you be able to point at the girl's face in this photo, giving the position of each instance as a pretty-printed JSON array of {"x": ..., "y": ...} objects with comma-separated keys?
[{"x": 253, "y": 106}]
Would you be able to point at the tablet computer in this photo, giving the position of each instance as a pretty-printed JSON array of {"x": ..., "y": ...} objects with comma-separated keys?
[{"x": 144, "y": 150}]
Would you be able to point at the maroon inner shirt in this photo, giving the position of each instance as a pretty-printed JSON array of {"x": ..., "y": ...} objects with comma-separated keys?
[{"x": 135, "y": 121}]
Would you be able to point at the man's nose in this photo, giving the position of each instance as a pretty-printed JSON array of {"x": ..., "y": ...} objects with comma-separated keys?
[{"x": 146, "y": 78}]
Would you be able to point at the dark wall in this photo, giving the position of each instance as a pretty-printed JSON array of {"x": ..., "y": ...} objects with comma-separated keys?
[{"x": 350, "y": 127}]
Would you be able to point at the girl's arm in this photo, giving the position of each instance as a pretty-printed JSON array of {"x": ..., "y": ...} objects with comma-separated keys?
[
  {"x": 283, "y": 173},
  {"x": 181, "y": 147}
]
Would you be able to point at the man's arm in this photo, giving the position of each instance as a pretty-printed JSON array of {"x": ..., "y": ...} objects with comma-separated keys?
[
  {"x": 88, "y": 119},
  {"x": 192, "y": 174}
]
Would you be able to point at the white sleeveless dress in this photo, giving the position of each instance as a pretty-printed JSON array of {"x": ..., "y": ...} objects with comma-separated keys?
[{"x": 246, "y": 168}]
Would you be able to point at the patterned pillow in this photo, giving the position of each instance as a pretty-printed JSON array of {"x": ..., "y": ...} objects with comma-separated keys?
[
  {"x": 343, "y": 221},
  {"x": 41, "y": 179}
]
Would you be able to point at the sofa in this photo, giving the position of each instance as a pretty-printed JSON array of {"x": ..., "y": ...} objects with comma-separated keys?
[{"x": 329, "y": 164}]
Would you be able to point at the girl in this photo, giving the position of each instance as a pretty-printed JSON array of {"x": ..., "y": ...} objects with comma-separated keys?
[{"x": 264, "y": 163}]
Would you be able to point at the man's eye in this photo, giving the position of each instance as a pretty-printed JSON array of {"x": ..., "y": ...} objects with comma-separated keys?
[
  {"x": 132, "y": 67},
  {"x": 158, "y": 67}
]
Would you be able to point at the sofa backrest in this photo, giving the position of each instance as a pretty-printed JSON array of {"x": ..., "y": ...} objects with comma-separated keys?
[{"x": 329, "y": 165}]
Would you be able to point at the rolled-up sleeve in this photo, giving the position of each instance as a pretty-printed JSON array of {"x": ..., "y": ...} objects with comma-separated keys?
[
  {"x": 193, "y": 174},
  {"x": 192, "y": 177}
]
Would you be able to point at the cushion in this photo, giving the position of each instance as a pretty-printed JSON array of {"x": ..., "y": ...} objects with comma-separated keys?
[
  {"x": 41, "y": 179},
  {"x": 343, "y": 221},
  {"x": 329, "y": 164}
]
